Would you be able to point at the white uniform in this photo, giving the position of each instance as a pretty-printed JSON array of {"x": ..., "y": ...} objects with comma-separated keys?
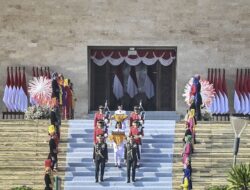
[
  {"x": 118, "y": 147},
  {"x": 122, "y": 112}
]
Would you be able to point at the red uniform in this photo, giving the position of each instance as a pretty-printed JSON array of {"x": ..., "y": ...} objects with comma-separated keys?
[
  {"x": 134, "y": 131},
  {"x": 98, "y": 116},
  {"x": 97, "y": 132},
  {"x": 133, "y": 117}
]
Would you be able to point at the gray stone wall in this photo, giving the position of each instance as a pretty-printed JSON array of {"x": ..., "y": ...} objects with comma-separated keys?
[{"x": 56, "y": 33}]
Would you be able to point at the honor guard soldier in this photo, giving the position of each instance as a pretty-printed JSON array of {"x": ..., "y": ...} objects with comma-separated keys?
[
  {"x": 100, "y": 130},
  {"x": 100, "y": 115},
  {"x": 100, "y": 157},
  {"x": 136, "y": 116},
  {"x": 131, "y": 156},
  {"x": 137, "y": 132}
]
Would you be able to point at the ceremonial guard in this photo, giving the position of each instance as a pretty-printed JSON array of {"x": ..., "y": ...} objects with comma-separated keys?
[
  {"x": 117, "y": 137},
  {"x": 53, "y": 146},
  {"x": 100, "y": 130},
  {"x": 136, "y": 116},
  {"x": 137, "y": 132},
  {"x": 131, "y": 156},
  {"x": 100, "y": 157},
  {"x": 101, "y": 115}
]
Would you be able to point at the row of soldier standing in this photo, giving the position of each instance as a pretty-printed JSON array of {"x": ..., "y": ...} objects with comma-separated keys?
[{"x": 130, "y": 151}]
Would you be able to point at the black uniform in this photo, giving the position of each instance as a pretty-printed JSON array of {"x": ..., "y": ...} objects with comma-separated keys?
[
  {"x": 55, "y": 120},
  {"x": 55, "y": 89},
  {"x": 131, "y": 155},
  {"x": 53, "y": 152},
  {"x": 100, "y": 155},
  {"x": 47, "y": 182}
]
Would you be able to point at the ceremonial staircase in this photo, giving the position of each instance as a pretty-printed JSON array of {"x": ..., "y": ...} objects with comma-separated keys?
[
  {"x": 156, "y": 159},
  {"x": 23, "y": 149},
  {"x": 213, "y": 154}
]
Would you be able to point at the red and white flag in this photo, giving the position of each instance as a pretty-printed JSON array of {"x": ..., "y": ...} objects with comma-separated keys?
[
  {"x": 25, "y": 90},
  {"x": 132, "y": 88},
  {"x": 224, "y": 87},
  {"x": 221, "y": 95},
  {"x": 237, "y": 102},
  {"x": 148, "y": 84},
  {"x": 17, "y": 105},
  {"x": 241, "y": 90},
  {"x": 6, "y": 91},
  {"x": 118, "y": 83},
  {"x": 12, "y": 91},
  {"x": 216, "y": 102},
  {"x": 245, "y": 92}
]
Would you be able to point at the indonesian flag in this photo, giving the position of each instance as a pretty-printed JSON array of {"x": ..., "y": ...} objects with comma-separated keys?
[
  {"x": 6, "y": 91},
  {"x": 12, "y": 92},
  {"x": 216, "y": 101},
  {"x": 245, "y": 93},
  {"x": 37, "y": 72},
  {"x": 17, "y": 106},
  {"x": 148, "y": 84},
  {"x": 224, "y": 87},
  {"x": 132, "y": 87},
  {"x": 248, "y": 88},
  {"x": 49, "y": 77},
  {"x": 242, "y": 96},
  {"x": 24, "y": 93},
  {"x": 221, "y": 95},
  {"x": 117, "y": 83},
  {"x": 237, "y": 104},
  {"x": 210, "y": 79}
]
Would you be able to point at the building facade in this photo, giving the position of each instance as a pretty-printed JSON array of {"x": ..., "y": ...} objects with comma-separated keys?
[{"x": 205, "y": 33}]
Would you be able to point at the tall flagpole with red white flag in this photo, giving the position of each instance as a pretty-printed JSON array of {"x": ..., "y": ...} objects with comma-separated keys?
[
  {"x": 6, "y": 91},
  {"x": 132, "y": 88},
  {"x": 237, "y": 103},
  {"x": 17, "y": 107},
  {"x": 24, "y": 87},
  {"x": 242, "y": 98},
  {"x": 224, "y": 87},
  {"x": 118, "y": 82},
  {"x": 221, "y": 95},
  {"x": 216, "y": 98},
  {"x": 245, "y": 93}
]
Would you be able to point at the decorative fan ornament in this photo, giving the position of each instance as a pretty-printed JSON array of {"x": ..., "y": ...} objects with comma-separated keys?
[
  {"x": 207, "y": 92},
  {"x": 40, "y": 89}
]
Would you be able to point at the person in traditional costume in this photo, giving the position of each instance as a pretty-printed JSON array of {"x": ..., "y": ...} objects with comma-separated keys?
[
  {"x": 131, "y": 157},
  {"x": 55, "y": 86},
  {"x": 187, "y": 182},
  {"x": 187, "y": 149},
  {"x": 137, "y": 132},
  {"x": 53, "y": 147},
  {"x": 100, "y": 130},
  {"x": 62, "y": 95},
  {"x": 136, "y": 116},
  {"x": 55, "y": 118},
  {"x": 120, "y": 116},
  {"x": 48, "y": 179},
  {"x": 74, "y": 99},
  {"x": 191, "y": 123},
  {"x": 196, "y": 92},
  {"x": 118, "y": 138},
  {"x": 68, "y": 98},
  {"x": 100, "y": 157}
]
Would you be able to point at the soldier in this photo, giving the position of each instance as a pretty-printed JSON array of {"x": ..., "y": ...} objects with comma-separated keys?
[
  {"x": 137, "y": 132},
  {"x": 136, "y": 116},
  {"x": 100, "y": 130},
  {"x": 131, "y": 156},
  {"x": 100, "y": 157},
  {"x": 100, "y": 115}
]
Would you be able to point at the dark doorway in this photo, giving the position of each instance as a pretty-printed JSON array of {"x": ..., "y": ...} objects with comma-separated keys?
[{"x": 101, "y": 79}]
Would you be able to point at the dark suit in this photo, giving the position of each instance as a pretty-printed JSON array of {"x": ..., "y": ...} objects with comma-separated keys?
[
  {"x": 100, "y": 155},
  {"x": 131, "y": 155}
]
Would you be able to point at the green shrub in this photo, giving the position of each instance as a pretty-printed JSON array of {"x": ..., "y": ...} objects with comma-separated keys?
[
  {"x": 220, "y": 187},
  {"x": 239, "y": 177},
  {"x": 22, "y": 188}
]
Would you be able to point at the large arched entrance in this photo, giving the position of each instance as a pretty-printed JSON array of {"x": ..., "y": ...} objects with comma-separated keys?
[{"x": 123, "y": 75}]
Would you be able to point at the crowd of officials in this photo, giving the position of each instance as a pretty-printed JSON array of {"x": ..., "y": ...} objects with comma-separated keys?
[
  {"x": 126, "y": 147},
  {"x": 62, "y": 108}
]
